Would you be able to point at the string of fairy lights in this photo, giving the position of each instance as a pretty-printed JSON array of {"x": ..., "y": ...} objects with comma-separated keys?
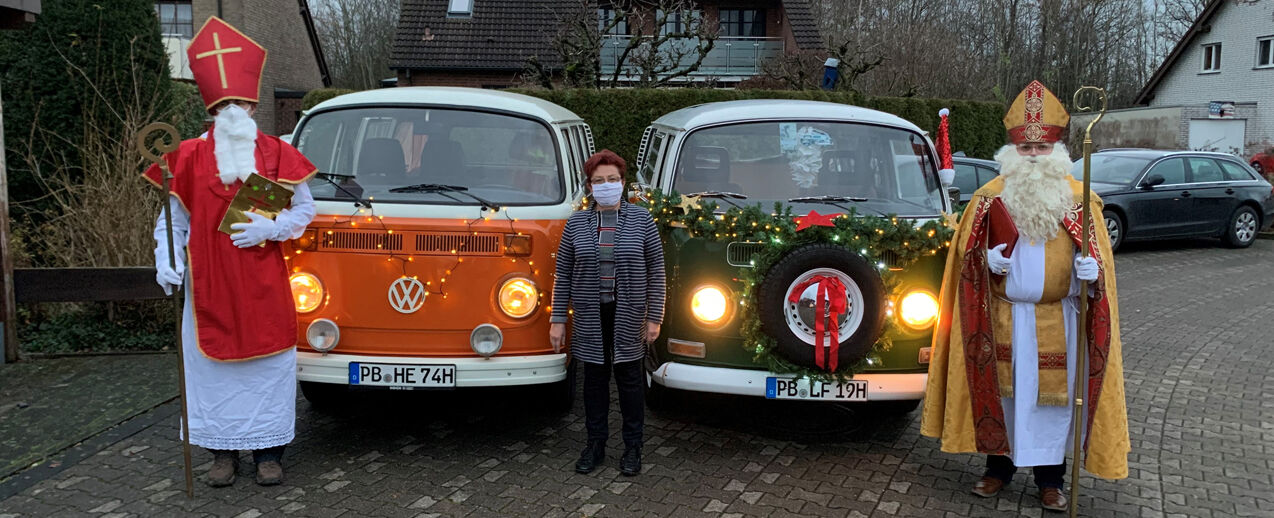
[
  {"x": 368, "y": 215},
  {"x": 889, "y": 243}
]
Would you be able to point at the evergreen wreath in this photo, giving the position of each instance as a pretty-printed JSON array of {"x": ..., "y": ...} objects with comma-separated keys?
[{"x": 870, "y": 236}]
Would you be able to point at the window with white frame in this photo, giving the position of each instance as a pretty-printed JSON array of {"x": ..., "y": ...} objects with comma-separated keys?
[
  {"x": 175, "y": 18},
  {"x": 1212, "y": 57},
  {"x": 1265, "y": 51}
]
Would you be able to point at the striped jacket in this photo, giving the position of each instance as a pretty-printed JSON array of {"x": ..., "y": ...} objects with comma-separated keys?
[{"x": 639, "y": 283}]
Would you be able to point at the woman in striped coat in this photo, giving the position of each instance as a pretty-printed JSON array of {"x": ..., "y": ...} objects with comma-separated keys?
[{"x": 610, "y": 285}]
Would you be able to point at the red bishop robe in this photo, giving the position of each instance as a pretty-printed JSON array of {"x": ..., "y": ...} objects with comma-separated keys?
[{"x": 242, "y": 298}]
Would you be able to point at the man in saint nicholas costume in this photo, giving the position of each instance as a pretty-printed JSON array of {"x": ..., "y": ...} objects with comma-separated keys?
[
  {"x": 1003, "y": 362},
  {"x": 239, "y": 325}
]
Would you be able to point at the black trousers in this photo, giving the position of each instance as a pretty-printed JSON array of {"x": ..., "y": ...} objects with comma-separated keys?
[
  {"x": 1002, "y": 467},
  {"x": 628, "y": 381},
  {"x": 258, "y": 456}
]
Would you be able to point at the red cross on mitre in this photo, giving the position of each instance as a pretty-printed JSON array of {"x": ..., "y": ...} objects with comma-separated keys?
[{"x": 226, "y": 63}]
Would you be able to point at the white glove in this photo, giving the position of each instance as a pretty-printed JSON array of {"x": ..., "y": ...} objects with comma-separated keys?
[
  {"x": 253, "y": 233},
  {"x": 995, "y": 260},
  {"x": 1086, "y": 268},
  {"x": 167, "y": 277}
]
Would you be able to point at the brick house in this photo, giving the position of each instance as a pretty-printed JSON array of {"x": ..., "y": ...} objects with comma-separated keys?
[
  {"x": 294, "y": 65},
  {"x": 486, "y": 43},
  {"x": 1213, "y": 90}
]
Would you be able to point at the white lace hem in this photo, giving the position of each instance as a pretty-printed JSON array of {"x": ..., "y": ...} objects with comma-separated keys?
[{"x": 241, "y": 443}]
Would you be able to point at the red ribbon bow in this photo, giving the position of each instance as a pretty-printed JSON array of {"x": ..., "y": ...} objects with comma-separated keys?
[{"x": 832, "y": 291}]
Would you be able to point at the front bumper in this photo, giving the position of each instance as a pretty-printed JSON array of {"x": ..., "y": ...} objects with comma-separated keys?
[
  {"x": 748, "y": 382},
  {"x": 496, "y": 371}
]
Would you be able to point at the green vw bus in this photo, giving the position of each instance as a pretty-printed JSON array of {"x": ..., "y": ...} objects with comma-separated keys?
[{"x": 827, "y": 161}]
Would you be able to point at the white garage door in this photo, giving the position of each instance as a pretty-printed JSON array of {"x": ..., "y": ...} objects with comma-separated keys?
[{"x": 1224, "y": 135}]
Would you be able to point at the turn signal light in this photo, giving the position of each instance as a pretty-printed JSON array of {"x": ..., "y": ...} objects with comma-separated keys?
[
  {"x": 517, "y": 245},
  {"x": 307, "y": 242},
  {"x": 307, "y": 292}
]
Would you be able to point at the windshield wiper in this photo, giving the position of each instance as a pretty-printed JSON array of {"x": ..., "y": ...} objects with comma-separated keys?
[
  {"x": 444, "y": 190},
  {"x": 834, "y": 201},
  {"x": 358, "y": 199},
  {"x": 725, "y": 196}
]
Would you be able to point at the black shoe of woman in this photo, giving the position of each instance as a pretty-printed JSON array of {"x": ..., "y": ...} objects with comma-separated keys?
[
  {"x": 630, "y": 463},
  {"x": 592, "y": 456}
]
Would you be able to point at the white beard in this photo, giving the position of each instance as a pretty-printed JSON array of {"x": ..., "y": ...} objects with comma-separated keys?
[
  {"x": 234, "y": 137},
  {"x": 1037, "y": 190}
]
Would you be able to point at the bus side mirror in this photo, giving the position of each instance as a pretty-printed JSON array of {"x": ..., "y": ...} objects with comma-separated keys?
[
  {"x": 953, "y": 193},
  {"x": 637, "y": 193}
]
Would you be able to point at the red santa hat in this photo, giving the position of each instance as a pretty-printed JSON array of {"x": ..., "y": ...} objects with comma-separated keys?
[
  {"x": 943, "y": 143},
  {"x": 226, "y": 63}
]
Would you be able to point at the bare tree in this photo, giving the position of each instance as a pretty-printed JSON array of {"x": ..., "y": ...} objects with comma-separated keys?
[
  {"x": 644, "y": 43},
  {"x": 357, "y": 38}
]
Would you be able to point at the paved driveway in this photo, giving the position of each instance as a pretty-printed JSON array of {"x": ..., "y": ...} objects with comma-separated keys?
[{"x": 1197, "y": 321}]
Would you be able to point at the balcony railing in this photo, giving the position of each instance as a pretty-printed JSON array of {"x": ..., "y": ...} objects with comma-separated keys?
[{"x": 729, "y": 57}]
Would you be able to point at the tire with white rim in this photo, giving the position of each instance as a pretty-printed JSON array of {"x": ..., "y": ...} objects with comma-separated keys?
[
  {"x": 1244, "y": 224},
  {"x": 793, "y": 324}
]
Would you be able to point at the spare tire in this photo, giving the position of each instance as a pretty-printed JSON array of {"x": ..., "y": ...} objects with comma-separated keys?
[{"x": 792, "y": 325}]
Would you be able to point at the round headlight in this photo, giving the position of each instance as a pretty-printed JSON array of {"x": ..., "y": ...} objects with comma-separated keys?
[
  {"x": 307, "y": 292},
  {"x": 322, "y": 335},
  {"x": 486, "y": 340},
  {"x": 709, "y": 304},
  {"x": 918, "y": 309},
  {"x": 518, "y": 297}
]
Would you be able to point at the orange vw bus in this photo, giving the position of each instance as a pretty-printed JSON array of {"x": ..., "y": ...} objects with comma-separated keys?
[{"x": 429, "y": 261}]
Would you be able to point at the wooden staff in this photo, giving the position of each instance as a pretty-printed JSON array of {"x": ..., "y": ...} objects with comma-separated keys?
[
  {"x": 1081, "y": 336},
  {"x": 167, "y": 142}
]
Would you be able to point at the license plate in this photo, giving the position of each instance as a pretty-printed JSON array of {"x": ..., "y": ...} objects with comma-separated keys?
[
  {"x": 400, "y": 376},
  {"x": 803, "y": 388}
]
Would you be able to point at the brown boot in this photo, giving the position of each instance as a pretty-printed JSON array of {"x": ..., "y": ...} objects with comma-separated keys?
[
  {"x": 224, "y": 468},
  {"x": 988, "y": 487},
  {"x": 269, "y": 473},
  {"x": 1051, "y": 498}
]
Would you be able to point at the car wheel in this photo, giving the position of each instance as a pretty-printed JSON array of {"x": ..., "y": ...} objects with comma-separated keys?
[
  {"x": 561, "y": 394},
  {"x": 1243, "y": 227},
  {"x": 658, "y": 397},
  {"x": 793, "y": 324},
  {"x": 324, "y": 396},
  {"x": 1114, "y": 227}
]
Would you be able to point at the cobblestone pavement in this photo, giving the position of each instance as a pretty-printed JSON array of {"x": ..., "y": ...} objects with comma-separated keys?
[{"x": 1196, "y": 320}]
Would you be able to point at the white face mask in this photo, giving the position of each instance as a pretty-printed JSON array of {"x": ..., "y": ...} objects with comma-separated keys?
[{"x": 608, "y": 193}]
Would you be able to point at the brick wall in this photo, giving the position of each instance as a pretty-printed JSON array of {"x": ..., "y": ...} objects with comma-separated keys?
[{"x": 290, "y": 63}]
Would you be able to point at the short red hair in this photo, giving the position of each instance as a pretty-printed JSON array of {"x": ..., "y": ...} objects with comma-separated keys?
[{"x": 601, "y": 158}]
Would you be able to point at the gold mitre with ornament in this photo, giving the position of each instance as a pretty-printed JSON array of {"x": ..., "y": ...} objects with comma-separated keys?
[{"x": 1036, "y": 116}]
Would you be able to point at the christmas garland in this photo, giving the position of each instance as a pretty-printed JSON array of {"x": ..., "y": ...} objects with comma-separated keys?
[{"x": 780, "y": 232}]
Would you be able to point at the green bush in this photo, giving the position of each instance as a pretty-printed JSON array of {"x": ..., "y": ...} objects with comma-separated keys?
[
  {"x": 93, "y": 327},
  {"x": 318, "y": 95},
  {"x": 618, "y": 117}
]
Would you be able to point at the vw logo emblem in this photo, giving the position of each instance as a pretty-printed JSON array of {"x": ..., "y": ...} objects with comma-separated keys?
[{"x": 406, "y": 295}]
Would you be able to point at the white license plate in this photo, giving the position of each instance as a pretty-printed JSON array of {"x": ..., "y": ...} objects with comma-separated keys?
[
  {"x": 400, "y": 376},
  {"x": 803, "y": 388}
]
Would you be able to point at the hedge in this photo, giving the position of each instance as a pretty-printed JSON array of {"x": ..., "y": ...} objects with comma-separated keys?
[{"x": 619, "y": 116}]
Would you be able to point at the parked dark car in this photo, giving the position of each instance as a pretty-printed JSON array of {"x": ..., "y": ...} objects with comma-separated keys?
[
  {"x": 972, "y": 173},
  {"x": 1152, "y": 194}
]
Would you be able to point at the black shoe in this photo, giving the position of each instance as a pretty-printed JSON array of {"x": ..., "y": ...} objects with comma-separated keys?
[
  {"x": 592, "y": 456},
  {"x": 630, "y": 463}
]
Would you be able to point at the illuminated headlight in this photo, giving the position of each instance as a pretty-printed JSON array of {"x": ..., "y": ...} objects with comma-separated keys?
[
  {"x": 918, "y": 309},
  {"x": 307, "y": 292},
  {"x": 486, "y": 340},
  {"x": 518, "y": 297},
  {"x": 323, "y": 335},
  {"x": 709, "y": 304}
]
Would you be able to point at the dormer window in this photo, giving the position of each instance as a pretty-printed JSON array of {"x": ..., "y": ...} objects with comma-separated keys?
[
  {"x": 459, "y": 8},
  {"x": 1212, "y": 57}
]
